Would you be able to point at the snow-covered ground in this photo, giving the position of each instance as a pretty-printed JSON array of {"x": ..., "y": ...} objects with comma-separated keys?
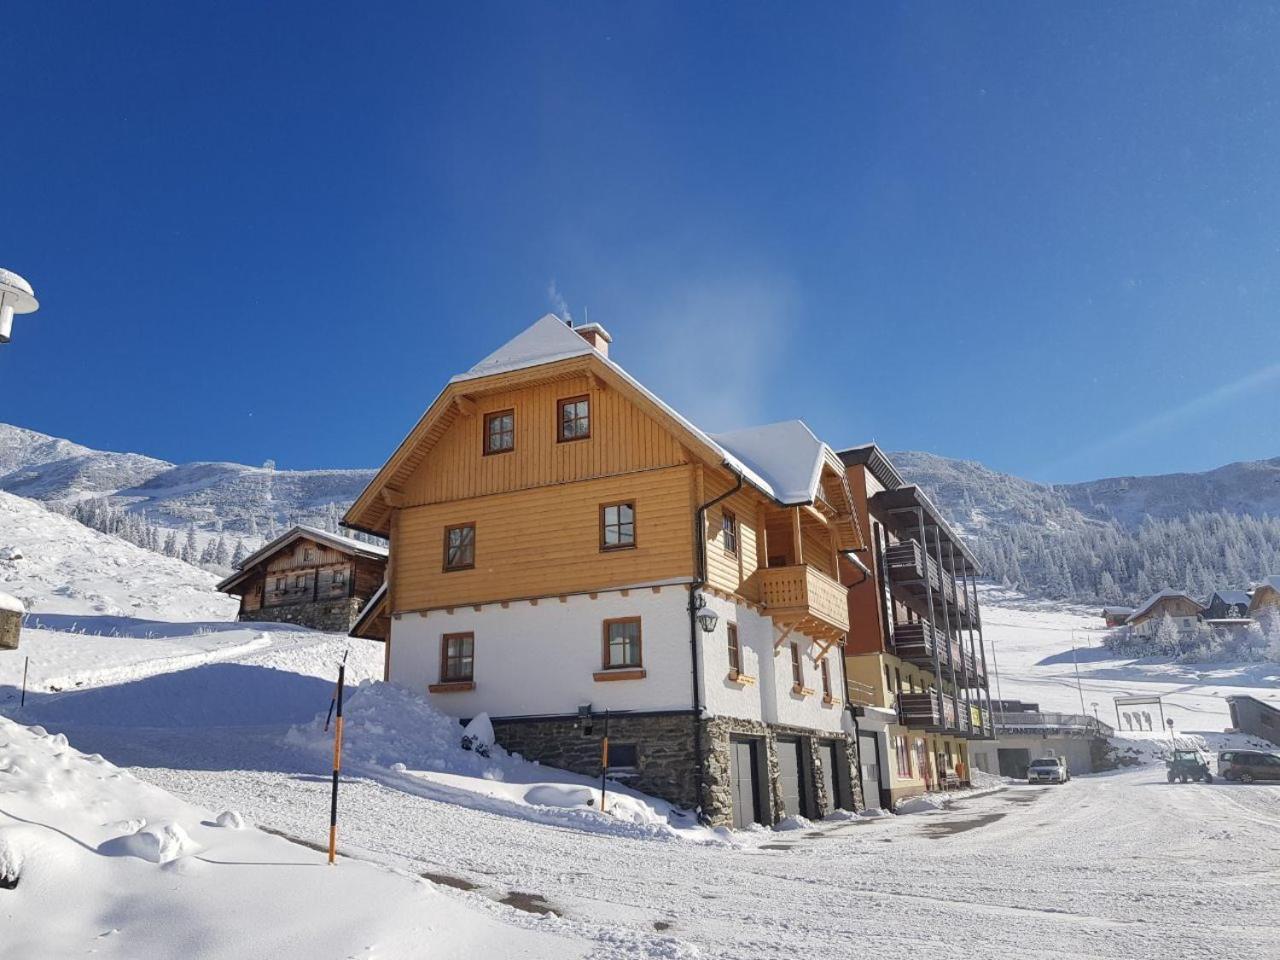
[
  {"x": 1029, "y": 647},
  {"x": 500, "y": 857}
]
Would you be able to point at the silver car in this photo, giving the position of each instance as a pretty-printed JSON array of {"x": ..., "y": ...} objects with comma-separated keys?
[{"x": 1048, "y": 770}]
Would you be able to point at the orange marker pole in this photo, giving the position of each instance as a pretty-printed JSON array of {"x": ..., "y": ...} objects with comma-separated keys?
[
  {"x": 337, "y": 767},
  {"x": 604, "y": 759}
]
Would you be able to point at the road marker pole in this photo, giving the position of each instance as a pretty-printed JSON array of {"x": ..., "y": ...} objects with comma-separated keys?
[
  {"x": 25, "y": 661},
  {"x": 337, "y": 767},
  {"x": 334, "y": 698},
  {"x": 604, "y": 760}
]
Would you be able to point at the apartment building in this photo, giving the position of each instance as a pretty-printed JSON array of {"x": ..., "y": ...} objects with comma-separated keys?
[
  {"x": 566, "y": 547},
  {"x": 915, "y": 657}
]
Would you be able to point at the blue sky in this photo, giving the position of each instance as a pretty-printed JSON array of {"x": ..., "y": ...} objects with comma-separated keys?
[{"x": 1039, "y": 235}]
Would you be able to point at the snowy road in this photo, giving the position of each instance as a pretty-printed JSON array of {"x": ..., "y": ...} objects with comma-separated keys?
[{"x": 1120, "y": 865}]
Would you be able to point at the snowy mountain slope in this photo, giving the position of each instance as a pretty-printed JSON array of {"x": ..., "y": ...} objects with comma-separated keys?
[
  {"x": 245, "y": 500},
  {"x": 69, "y": 570},
  {"x": 1248, "y": 489}
]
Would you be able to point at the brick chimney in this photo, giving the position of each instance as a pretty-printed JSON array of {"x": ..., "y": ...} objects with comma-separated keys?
[{"x": 595, "y": 335}]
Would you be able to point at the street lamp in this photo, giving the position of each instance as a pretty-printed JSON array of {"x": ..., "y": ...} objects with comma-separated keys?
[{"x": 16, "y": 296}]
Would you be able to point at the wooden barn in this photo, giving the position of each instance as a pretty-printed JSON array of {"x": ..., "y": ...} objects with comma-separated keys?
[{"x": 309, "y": 577}]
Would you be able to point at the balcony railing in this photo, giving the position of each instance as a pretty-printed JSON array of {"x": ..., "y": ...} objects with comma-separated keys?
[
  {"x": 860, "y": 694},
  {"x": 800, "y": 591},
  {"x": 915, "y": 642},
  {"x": 921, "y": 710},
  {"x": 1061, "y": 724}
]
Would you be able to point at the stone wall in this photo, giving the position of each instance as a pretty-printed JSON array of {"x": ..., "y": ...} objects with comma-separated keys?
[
  {"x": 333, "y": 616},
  {"x": 666, "y": 757},
  {"x": 667, "y": 753},
  {"x": 10, "y": 627}
]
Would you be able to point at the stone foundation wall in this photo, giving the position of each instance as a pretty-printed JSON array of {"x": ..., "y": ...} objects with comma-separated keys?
[
  {"x": 666, "y": 756},
  {"x": 333, "y": 616},
  {"x": 10, "y": 627}
]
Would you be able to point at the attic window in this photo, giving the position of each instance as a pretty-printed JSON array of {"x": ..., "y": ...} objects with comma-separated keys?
[
  {"x": 500, "y": 432},
  {"x": 574, "y": 418}
]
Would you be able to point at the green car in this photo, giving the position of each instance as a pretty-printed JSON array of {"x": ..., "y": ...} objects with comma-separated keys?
[{"x": 1187, "y": 765}]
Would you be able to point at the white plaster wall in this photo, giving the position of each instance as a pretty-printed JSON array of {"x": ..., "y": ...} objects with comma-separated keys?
[
  {"x": 770, "y": 698},
  {"x": 539, "y": 660}
]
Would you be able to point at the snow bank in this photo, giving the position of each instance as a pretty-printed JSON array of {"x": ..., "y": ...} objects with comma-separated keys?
[
  {"x": 397, "y": 737},
  {"x": 11, "y": 603},
  {"x": 94, "y": 861},
  {"x": 981, "y": 784}
]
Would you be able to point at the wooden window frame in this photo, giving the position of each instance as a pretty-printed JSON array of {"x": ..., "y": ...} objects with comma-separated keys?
[
  {"x": 450, "y": 682},
  {"x": 560, "y": 405},
  {"x": 797, "y": 668},
  {"x": 824, "y": 666},
  {"x": 448, "y": 530},
  {"x": 606, "y": 547},
  {"x": 489, "y": 418},
  {"x": 606, "y": 667},
  {"x": 730, "y": 518},
  {"x": 734, "y": 646}
]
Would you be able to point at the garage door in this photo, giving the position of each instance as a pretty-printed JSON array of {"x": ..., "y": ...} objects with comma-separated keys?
[
  {"x": 870, "y": 770},
  {"x": 742, "y": 774},
  {"x": 1014, "y": 762},
  {"x": 790, "y": 782}
]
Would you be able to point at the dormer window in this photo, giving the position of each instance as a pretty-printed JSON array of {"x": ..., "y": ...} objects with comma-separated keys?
[{"x": 574, "y": 419}]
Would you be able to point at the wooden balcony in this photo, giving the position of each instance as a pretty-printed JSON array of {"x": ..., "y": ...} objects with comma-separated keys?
[
  {"x": 801, "y": 597},
  {"x": 921, "y": 710},
  {"x": 915, "y": 643}
]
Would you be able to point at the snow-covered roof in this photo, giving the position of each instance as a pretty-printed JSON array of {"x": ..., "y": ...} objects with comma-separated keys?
[
  {"x": 1166, "y": 594},
  {"x": 550, "y": 339},
  {"x": 1231, "y": 596},
  {"x": 786, "y": 455},
  {"x": 367, "y": 610},
  {"x": 11, "y": 279},
  {"x": 335, "y": 540},
  {"x": 748, "y": 452},
  {"x": 1272, "y": 581},
  {"x": 1116, "y": 611},
  {"x": 11, "y": 603}
]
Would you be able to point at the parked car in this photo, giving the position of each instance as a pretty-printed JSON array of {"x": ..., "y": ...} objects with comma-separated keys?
[
  {"x": 1187, "y": 765},
  {"x": 1248, "y": 765},
  {"x": 1048, "y": 770}
]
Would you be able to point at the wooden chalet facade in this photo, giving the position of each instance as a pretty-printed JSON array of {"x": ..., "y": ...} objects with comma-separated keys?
[
  {"x": 558, "y": 536},
  {"x": 915, "y": 655},
  {"x": 1182, "y": 608},
  {"x": 308, "y": 577},
  {"x": 1265, "y": 600}
]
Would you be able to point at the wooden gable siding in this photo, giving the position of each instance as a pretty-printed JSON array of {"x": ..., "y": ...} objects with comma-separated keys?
[
  {"x": 1266, "y": 598},
  {"x": 291, "y": 558},
  {"x": 725, "y": 571},
  {"x": 623, "y": 440},
  {"x": 545, "y": 541},
  {"x": 1173, "y": 606}
]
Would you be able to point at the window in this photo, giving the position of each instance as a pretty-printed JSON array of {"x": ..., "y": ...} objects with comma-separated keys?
[
  {"x": 797, "y": 669},
  {"x": 903, "y": 754},
  {"x": 735, "y": 651},
  {"x": 623, "y": 756},
  {"x": 574, "y": 416},
  {"x": 617, "y": 526},
  {"x": 826, "y": 679},
  {"x": 729, "y": 527},
  {"x": 499, "y": 432},
  {"x": 339, "y": 577},
  {"x": 308, "y": 555},
  {"x": 622, "y": 643},
  {"x": 460, "y": 547},
  {"x": 888, "y": 680},
  {"x": 457, "y": 657}
]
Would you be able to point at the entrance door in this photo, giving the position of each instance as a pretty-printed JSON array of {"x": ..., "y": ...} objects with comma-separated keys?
[
  {"x": 743, "y": 756},
  {"x": 869, "y": 764},
  {"x": 790, "y": 765}
]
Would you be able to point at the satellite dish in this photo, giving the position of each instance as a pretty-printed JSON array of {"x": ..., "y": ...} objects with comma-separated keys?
[{"x": 16, "y": 296}]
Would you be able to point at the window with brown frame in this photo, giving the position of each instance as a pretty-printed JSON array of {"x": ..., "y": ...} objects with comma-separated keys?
[
  {"x": 729, "y": 526},
  {"x": 460, "y": 547},
  {"x": 826, "y": 679},
  {"x": 735, "y": 651},
  {"x": 617, "y": 525},
  {"x": 622, "y": 643},
  {"x": 499, "y": 432},
  {"x": 457, "y": 658},
  {"x": 574, "y": 417},
  {"x": 797, "y": 670}
]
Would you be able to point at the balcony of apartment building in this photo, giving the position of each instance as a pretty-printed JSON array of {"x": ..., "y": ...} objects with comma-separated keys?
[{"x": 797, "y": 583}]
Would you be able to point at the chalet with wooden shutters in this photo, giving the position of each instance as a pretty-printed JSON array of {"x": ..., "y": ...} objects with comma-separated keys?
[
  {"x": 1183, "y": 609},
  {"x": 915, "y": 656},
  {"x": 565, "y": 544},
  {"x": 309, "y": 577}
]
